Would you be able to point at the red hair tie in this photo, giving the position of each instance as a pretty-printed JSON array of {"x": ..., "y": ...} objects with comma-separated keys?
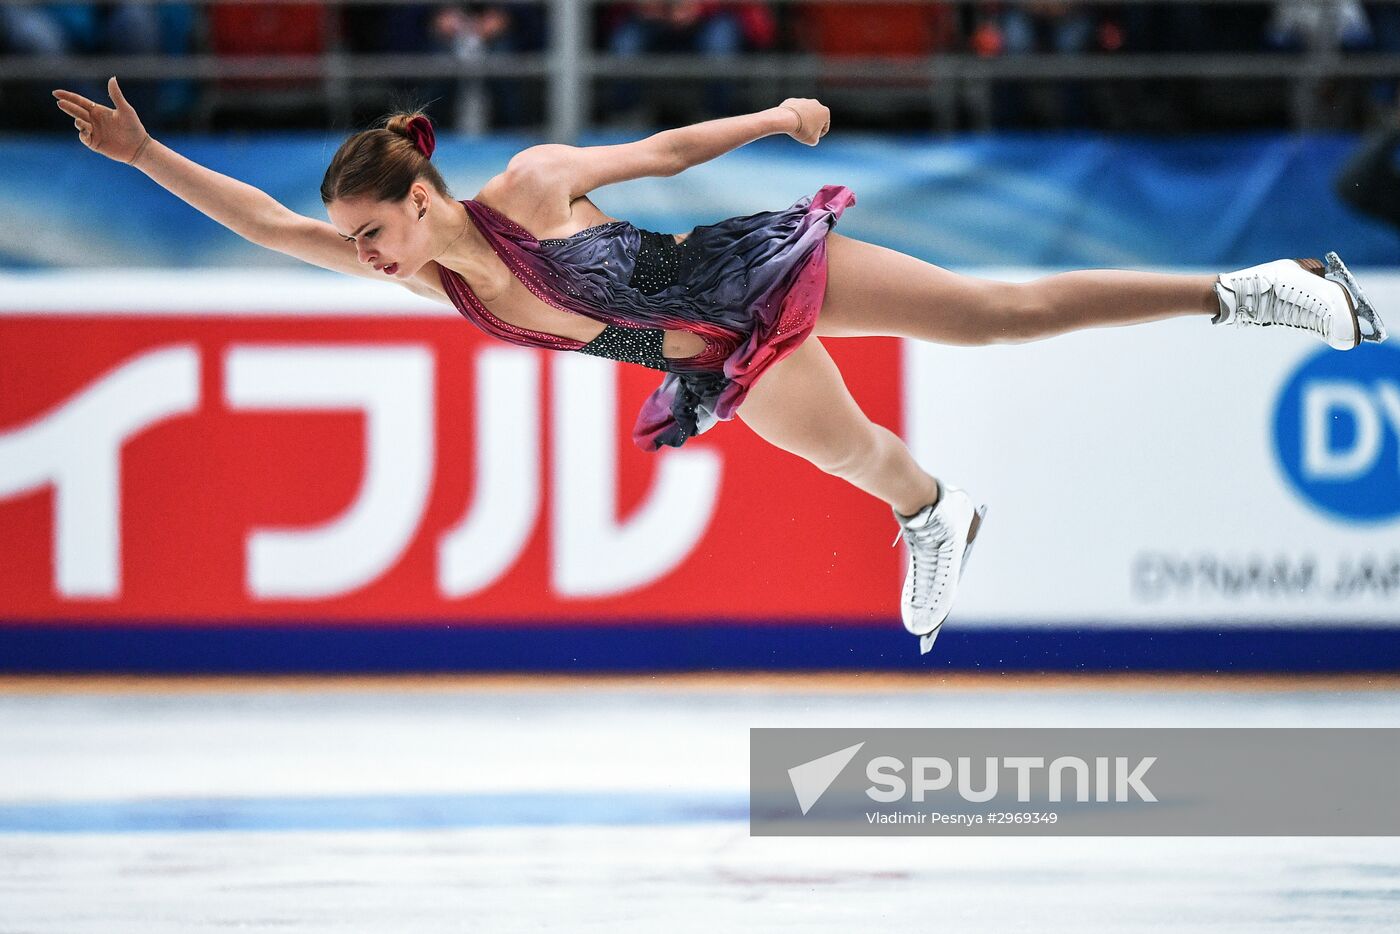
[{"x": 421, "y": 130}]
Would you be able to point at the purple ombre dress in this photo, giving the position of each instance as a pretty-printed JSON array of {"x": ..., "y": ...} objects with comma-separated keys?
[{"x": 751, "y": 287}]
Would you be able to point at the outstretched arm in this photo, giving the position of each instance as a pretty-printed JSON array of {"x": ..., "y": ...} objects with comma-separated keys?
[
  {"x": 804, "y": 119},
  {"x": 672, "y": 151},
  {"x": 118, "y": 134}
]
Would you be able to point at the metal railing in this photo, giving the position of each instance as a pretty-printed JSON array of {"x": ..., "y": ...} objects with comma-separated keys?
[{"x": 569, "y": 66}]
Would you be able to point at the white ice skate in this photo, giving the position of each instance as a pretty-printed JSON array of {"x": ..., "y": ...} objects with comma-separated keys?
[
  {"x": 1301, "y": 294},
  {"x": 940, "y": 538}
]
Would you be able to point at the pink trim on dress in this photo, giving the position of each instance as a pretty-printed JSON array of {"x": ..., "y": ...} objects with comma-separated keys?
[{"x": 475, "y": 310}]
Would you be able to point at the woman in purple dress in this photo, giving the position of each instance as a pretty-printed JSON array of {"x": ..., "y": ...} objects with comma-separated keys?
[{"x": 728, "y": 312}]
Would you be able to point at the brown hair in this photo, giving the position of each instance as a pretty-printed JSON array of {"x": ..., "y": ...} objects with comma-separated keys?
[{"x": 383, "y": 162}]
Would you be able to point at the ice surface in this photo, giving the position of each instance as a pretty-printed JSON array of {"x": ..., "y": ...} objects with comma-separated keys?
[{"x": 598, "y": 807}]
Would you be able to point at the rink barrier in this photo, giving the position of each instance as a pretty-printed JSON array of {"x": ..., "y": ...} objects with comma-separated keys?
[{"x": 76, "y": 648}]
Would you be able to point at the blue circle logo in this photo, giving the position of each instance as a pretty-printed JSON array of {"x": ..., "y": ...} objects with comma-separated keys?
[{"x": 1337, "y": 432}]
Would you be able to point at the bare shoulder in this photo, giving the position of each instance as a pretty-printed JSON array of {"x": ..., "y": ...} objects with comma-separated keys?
[
  {"x": 536, "y": 195},
  {"x": 529, "y": 192}
]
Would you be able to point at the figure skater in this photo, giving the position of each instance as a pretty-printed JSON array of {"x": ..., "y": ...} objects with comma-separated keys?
[{"x": 731, "y": 312}]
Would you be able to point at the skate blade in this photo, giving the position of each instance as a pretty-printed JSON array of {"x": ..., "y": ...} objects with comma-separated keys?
[
  {"x": 1368, "y": 320},
  {"x": 926, "y": 640},
  {"x": 972, "y": 537}
]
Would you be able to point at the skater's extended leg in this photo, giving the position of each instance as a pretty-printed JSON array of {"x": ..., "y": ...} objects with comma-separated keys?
[
  {"x": 875, "y": 291},
  {"x": 802, "y": 405}
]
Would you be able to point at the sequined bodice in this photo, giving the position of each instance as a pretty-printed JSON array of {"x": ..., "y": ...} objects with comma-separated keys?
[{"x": 629, "y": 266}]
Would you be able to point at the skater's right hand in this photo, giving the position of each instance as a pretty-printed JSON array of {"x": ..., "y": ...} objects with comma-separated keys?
[
  {"x": 812, "y": 121},
  {"x": 116, "y": 134}
]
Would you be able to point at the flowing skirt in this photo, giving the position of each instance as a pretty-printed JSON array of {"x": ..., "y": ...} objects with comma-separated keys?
[{"x": 762, "y": 276}]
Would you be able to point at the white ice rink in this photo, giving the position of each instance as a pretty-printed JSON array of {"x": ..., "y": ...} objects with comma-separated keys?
[{"x": 610, "y": 805}]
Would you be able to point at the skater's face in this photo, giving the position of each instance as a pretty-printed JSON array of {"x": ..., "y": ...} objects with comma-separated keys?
[{"x": 389, "y": 236}]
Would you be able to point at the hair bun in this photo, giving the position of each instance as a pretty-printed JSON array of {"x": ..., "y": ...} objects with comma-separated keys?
[{"x": 418, "y": 128}]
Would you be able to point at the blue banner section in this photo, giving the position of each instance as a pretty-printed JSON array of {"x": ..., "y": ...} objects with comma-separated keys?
[
  {"x": 55, "y": 648},
  {"x": 1056, "y": 201}
]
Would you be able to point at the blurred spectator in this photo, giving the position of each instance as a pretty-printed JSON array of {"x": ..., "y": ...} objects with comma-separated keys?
[
  {"x": 65, "y": 28},
  {"x": 401, "y": 29},
  {"x": 706, "y": 27},
  {"x": 238, "y": 32},
  {"x": 466, "y": 30},
  {"x": 1037, "y": 27},
  {"x": 57, "y": 29},
  {"x": 1384, "y": 19},
  {"x": 476, "y": 30},
  {"x": 1162, "y": 104},
  {"x": 1307, "y": 24},
  {"x": 879, "y": 30}
]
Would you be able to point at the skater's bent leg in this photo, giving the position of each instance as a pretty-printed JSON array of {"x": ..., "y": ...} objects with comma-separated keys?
[
  {"x": 801, "y": 404},
  {"x": 875, "y": 291}
]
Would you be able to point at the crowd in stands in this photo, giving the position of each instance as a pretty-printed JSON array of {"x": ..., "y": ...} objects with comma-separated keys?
[{"x": 717, "y": 29}]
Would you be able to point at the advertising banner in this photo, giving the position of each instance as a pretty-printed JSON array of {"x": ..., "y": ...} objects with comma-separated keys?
[
  {"x": 233, "y": 451},
  {"x": 244, "y": 447},
  {"x": 1174, "y": 471}
]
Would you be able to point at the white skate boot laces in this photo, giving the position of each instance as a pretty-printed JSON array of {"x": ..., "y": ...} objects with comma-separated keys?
[
  {"x": 1285, "y": 304},
  {"x": 1301, "y": 294},
  {"x": 931, "y": 551},
  {"x": 939, "y": 538}
]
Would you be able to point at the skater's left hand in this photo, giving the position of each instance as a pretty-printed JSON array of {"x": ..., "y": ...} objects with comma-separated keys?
[{"x": 811, "y": 121}]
